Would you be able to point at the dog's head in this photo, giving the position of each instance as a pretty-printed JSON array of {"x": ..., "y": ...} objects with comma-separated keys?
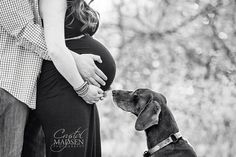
[{"x": 143, "y": 103}]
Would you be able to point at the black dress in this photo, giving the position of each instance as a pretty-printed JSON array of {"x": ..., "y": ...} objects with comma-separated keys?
[{"x": 71, "y": 126}]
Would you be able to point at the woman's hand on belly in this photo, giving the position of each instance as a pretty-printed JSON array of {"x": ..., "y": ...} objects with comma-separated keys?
[{"x": 88, "y": 69}]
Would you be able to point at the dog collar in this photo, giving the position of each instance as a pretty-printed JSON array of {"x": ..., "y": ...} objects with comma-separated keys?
[{"x": 171, "y": 139}]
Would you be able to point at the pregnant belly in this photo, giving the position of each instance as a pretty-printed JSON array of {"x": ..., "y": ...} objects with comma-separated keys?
[
  {"x": 88, "y": 45},
  {"x": 51, "y": 83}
]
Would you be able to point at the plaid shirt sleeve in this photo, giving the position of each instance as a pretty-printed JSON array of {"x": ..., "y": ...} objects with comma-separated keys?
[{"x": 18, "y": 19}]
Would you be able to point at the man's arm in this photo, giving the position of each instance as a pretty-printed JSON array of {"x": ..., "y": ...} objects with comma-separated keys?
[{"x": 17, "y": 19}]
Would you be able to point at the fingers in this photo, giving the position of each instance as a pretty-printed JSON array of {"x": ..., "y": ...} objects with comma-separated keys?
[
  {"x": 100, "y": 92},
  {"x": 99, "y": 96},
  {"x": 94, "y": 101},
  {"x": 89, "y": 102},
  {"x": 105, "y": 94},
  {"x": 99, "y": 80},
  {"x": 97, "y": 58},
  {"x": 94, "y": 95},
  {"x": 100, "y": 73},
  {"x": 102, "y": 95},
  {"x": 97, "y": 70},
  {"x": 94, "y": 82},
  {"x": 99, "y": 76}
]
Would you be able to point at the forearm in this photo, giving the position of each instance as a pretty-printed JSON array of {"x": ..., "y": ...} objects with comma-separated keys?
[
  {"x": 62, "y": 58},
  {"x": 53, "y": 13},
  {"x": 65, "y": 64}
]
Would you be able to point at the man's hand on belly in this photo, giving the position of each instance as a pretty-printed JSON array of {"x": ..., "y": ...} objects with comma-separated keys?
[{"x": 88, "y": 69}]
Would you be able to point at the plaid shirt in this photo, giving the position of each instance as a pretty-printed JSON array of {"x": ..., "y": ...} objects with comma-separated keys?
[{"x": 22, "y": 48}]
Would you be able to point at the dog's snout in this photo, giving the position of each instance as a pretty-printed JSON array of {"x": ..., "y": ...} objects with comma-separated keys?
[
  {"x": 114, "y": 92},
  {"x": 121, "y": 92}
]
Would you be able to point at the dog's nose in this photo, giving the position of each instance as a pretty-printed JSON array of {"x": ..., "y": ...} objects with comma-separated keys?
[{"x": 114, "y": 92}]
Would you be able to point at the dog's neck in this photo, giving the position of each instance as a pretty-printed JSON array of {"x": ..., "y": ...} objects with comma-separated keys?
[{"x": 166, "y": 126}]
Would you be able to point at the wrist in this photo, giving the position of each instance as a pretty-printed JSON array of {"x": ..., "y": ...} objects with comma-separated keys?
[
  {"x": 83, "y": 89},
  {"x": 75, "y": 55}
]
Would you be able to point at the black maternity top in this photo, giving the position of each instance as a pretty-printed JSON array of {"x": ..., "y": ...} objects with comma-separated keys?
[{"x": 71, "y": 126}]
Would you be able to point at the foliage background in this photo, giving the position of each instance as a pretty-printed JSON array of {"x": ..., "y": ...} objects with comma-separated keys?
[{"x": 185, "y": 49}]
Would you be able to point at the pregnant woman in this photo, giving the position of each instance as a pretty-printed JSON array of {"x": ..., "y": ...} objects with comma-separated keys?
[{"x": 70, "y": 124}]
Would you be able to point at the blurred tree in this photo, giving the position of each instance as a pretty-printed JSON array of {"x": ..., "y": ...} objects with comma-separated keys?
[{"x": 185, "y": 49}]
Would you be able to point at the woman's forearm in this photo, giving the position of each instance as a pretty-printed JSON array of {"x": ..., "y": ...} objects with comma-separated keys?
[
  {"x": 65, "y": 64},
  {"x": 53, "y": 13}
]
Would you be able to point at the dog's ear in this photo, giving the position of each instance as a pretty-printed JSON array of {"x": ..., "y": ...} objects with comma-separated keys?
[{"x": 149, "y": 116}]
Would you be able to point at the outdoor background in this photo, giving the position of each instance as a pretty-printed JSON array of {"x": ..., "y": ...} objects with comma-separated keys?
[{"x": 185, "y": 49}]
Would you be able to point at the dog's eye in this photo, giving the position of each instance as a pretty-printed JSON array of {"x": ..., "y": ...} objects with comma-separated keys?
[{"x": 135, "y": 98}]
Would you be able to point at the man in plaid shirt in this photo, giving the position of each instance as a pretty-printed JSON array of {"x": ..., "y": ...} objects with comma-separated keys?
[{"x": 22, "y": 49}]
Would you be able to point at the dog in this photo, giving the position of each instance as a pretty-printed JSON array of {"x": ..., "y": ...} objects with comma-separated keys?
[{"x": 155, "y": 118}]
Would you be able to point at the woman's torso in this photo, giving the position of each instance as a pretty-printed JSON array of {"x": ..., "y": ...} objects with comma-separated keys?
[{"x": 51, "y": 80}]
